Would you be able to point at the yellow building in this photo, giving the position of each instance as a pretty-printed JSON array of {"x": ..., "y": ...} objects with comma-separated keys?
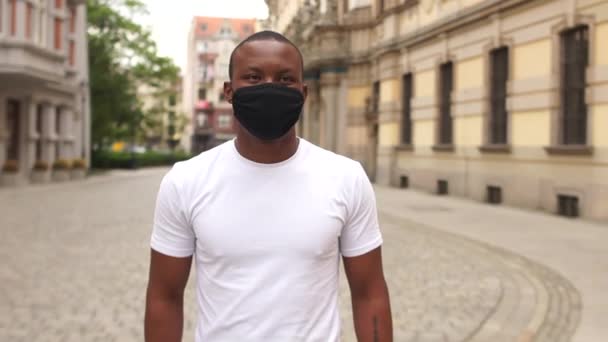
[{"x": 503, "y": 101}]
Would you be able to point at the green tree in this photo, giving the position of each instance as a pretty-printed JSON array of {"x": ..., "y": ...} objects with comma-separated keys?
[{"x": 122, "y": 55}]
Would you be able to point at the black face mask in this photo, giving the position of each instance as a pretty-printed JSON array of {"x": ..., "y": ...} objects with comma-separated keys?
[{"x": 268, "y": 111}]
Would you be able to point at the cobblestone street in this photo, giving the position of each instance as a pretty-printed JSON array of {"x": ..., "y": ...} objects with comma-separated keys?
[{"x": 75, "y": 261}]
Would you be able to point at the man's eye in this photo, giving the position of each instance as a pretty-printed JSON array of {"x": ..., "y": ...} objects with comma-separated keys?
[
  {"x": 286, "y": 79},
  {"x": 253, "y": 77}
]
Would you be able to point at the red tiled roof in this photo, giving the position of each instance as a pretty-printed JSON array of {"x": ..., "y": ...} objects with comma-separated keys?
[{"x": 206, "y": 27}]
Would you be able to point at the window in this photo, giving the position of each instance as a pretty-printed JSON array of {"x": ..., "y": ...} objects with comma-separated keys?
[
  {"x": 376, "y": 97},
  {"x": 72, "y": 19},
  {"x": 72, "y": 51},
  {"x": 224, "y": 121},
  {"x": 58, "y": 34},
  {"x": 204, "y": 27},
  {"x": 442, "y": 187},
  {"x": 246, "y": 28},
  {"x": 202, "y": 94},
  {"x": 498, "y": 98},
  {"x": 494, "y": 195},
  {"x": 58, "y": 4},
  {"x": 29, "y": 11},
  {"x": 172, "y": 100},
  {"x": 352, "y": 4},
  {"x": 221, "y": 97},
  {"x": 574, "y": 56},
  {"x": 12, "y": 6},
  {"x": 568, "y": 206},
  {"x": 445, "y": 115},
  {"x": 201, "y": 120},
  {"x": 406, "y": 120},
  {"x": 58, "y": 122},
  {"x": 201, "y": 47}
]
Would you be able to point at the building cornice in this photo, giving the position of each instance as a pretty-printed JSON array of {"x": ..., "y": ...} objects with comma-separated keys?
[{"x": 465, "y": 17}]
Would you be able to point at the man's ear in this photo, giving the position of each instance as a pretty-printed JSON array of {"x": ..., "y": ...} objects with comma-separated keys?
[
  {"x": 228, "y": 91},
  {"x": 305, "y": 91}
]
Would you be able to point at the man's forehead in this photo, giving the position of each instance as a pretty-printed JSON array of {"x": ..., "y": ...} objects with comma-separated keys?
[{"x": 261, "y": 49}]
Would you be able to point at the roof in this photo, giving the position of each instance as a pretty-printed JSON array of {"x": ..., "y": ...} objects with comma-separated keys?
[{"x": 208, "y": 27}]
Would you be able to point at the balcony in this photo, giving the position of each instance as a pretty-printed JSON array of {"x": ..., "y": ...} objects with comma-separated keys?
[
  {"x": 358, "y": 16},
  {"x": 23, "y": 59}
]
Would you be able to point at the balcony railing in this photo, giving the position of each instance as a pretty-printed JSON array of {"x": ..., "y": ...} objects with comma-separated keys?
[
  {"x": 359, "y": 15},
  {"x": 25, "y": 58}
]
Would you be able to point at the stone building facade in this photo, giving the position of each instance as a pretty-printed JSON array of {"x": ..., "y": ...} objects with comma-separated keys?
[
  {"x": 44, "y": 91},
  {"x": 504, "y": 101}
]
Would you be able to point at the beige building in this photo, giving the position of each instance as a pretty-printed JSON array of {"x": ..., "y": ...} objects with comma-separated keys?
[
  {"x": 504, "y": 101},
  {"x": 44, "y": 102},
  {"x": 163, "y": 108},
  {"x": 210, "y": 43}
]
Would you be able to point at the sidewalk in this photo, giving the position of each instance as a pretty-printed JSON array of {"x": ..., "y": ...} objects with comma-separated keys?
[{"x": 576, "y": 249}]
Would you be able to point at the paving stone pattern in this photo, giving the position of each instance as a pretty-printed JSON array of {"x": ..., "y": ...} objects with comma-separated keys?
[{"x": 75, "y": 261}]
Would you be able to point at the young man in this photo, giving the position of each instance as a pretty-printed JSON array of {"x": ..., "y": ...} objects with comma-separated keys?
[{"x": 267, "y": 217}]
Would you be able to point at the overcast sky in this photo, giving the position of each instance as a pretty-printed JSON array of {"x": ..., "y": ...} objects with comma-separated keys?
[{"x": 170, "y": 22}]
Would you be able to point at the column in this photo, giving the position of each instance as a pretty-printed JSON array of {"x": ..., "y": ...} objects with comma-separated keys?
[
  {"x": 342, "y": 113},
  {"x": 329, "y": 113},
  {"x": 3, "y": 133},
  {"x": 48, "y": 133}
]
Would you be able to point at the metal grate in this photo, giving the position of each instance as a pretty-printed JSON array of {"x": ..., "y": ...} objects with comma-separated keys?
[
  {"x": 500, "y": 76},
  {"x": 575, "y": 58},
  {"x": 494, "y": 195},
  {"x": 442, "y": 187},
  {"x": 404, "y": 182},
  {"x": 568, "y": 206},
  {"x": 406, "y": 119},
  {"x": 445, "y": 127}
]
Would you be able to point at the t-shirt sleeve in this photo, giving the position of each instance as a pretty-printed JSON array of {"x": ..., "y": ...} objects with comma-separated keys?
[
  {"x": 172, "y": 233},
  {"x": 361, "y": 233}
]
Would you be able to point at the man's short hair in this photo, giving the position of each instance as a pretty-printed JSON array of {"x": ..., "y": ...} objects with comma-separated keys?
[{"x": 258, "y": 36}]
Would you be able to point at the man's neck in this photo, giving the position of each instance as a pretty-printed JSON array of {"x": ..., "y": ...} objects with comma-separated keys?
[{"x": 265, "y": 152}]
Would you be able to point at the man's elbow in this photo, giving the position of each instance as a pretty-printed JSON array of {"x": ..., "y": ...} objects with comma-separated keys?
[{"x": 376, "y": 292}]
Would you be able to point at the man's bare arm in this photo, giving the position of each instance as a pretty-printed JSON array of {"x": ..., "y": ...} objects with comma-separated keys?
[
  {"x": 370, "y": 297},
  {"x": 165, "y": 298}
]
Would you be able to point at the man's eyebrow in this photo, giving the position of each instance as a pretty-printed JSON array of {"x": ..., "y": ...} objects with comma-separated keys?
[
  {"x": 286, "y": 70},
  {"x": 254, "y": 68}
]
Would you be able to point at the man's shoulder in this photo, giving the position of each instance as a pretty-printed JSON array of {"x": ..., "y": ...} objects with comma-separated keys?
[
  {"x": 331, "y": 161},
  {"x": 197, "y": 166}
]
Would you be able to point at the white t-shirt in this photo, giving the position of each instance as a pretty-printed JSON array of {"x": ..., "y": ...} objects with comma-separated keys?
[{"x": 267, "y": 239}]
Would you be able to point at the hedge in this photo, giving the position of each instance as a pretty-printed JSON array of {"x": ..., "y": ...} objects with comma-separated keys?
[{"x": 126, "y": 160}]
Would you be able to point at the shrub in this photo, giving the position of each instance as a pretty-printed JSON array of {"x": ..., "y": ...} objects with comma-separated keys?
[
  {"x": 41, "y": 165},
  {"x": 61, "y": 164},
  {"x": 10, "y": 166},
  {"x": 79, "y": 164},
  {"x": 126, "y": 160}
]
